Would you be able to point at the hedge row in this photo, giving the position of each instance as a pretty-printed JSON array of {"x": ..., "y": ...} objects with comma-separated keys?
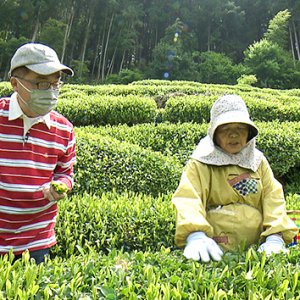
[
  {"x": 264, "y": 104},
  {"x": 196, "y": 109},
  {"x": 89, "y": 261},
  {"x": 148, "y": 158},
  {"x": 163, "y": 275},
  {"x": 109, "y": 104},
  {"x": 85, "y": 110},
  {"x": 209, "y": 87},
  {"x": 165, "y": 87},
  {"x": 98, "y": 110},
  {"x": 128, "y": 221},
  {"x": 159, "y": 87},
  {"x": 104, "y": 164}
]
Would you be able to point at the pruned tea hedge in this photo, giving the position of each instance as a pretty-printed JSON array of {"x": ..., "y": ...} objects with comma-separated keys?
[
  {"x": 104, "y": 164},
  {"x": 149, "y": 159}
]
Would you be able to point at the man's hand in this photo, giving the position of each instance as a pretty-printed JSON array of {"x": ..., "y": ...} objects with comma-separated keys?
[
  {"x": 55, "y": 191},
  {"x": 201, "y": 247}
]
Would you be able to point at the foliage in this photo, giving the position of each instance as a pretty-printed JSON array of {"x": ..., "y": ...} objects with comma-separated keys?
[
  {"x": 178, "y": 141},
  {"x": 7, "y": 48},
  {"x": 101, "y": 110},
  {"x": 247, "y": 79},
  {"x": 5, "y": 89},
  {"x": 162, "y": 274},
  {"x": 125, "y": 76},
  {"x": 196, "y": 109},
  {"x": 100, "y": 39},
  {"x": 81, "y": 70},
  {"x": 127, "y": 221},
  {"x": 170, "y": 62},
  {"x": 215, "y": 68},
  {"x": 278, "y": 29},
  {"x": 115, "y": 230},
  {"x": 270, "y": 64},
  {"x": 52, "y": 34},
  {"x": 105, "y": 164}
]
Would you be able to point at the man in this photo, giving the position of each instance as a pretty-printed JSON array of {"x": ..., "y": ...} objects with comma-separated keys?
[{"x": 37, "y": 148}]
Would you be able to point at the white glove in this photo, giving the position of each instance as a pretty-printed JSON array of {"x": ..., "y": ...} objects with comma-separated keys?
[
  {"x": 273, "y": 244},
  {"x": 201, "y": 247}
]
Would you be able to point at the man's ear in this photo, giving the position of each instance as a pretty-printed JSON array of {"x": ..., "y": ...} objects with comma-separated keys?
[{"x": 14, "y": 83}]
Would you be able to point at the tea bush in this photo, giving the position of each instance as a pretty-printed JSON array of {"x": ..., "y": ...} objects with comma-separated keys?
[
  {"x": 5, "y": 89},
  {"x": 127, "y": 221},
  {"x": 163, "y": 274},
  {"x": 101, "y": 110},
  {"x": 120, "y": 246},
  {"x": 196, "y": 109},
  {"x": 182, "y": 102},
  {"x": 99, "y": 154},
  {"x": 115, "y": 230},
  {"x": 104, "y": 164}
]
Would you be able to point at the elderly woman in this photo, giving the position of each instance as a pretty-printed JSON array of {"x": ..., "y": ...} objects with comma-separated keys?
[{"x": 228, "y": 196}]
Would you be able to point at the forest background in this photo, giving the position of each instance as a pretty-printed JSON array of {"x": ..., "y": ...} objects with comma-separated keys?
[{"x": 120, "y": 41}]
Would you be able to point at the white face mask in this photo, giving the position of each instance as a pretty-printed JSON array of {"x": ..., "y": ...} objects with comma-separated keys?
[{"x": 41, "y": 102}]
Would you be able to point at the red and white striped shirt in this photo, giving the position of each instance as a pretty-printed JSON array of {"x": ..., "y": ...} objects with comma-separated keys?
[{"x": 27, "y": 163}]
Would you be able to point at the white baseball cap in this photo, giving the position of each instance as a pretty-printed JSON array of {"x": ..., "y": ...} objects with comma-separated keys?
[{"x": 38, "y": 58}]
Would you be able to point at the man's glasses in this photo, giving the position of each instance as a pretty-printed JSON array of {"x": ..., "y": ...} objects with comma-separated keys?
[{"x": 43, "y": 85}]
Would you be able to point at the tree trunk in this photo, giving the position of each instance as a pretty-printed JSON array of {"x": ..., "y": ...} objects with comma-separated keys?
[
  {"x": 101, "y": 53},
  {"x": 37, "y": 26},
  {"x": 122, "y": 61},
  {"x": 291, "y": 40},
  {"x": 208, "y": 37},
  {"x": 97, "y": 54},
  {"x": 296, "y": 41},
  {"x": 111, "y": 65},
  {"x": 86, "y": 38},
  {"x": 105, "y": 48},
  {"x": 67, "y": 33}
]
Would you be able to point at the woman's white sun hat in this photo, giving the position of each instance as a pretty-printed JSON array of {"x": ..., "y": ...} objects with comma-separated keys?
[{"x": 229, "y": 109}]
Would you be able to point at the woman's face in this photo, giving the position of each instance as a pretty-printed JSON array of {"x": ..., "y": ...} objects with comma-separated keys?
[{"x": 232, "y": 137}]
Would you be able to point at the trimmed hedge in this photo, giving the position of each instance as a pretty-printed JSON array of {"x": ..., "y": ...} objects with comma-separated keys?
[
  {"x": 104, "y": 164},
  {"x": 177, "y": 140},
  {"x": 179, "y": 102},
  {"x": 280, "y": 142},
  {"x": 161, "y": 275},
  {"x": 196, "y": 109},
  {"x": 85, "y": 110},
  {"x": 126, "y": 221}
]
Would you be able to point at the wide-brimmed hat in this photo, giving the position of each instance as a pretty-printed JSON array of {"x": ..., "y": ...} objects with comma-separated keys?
[
  {"x": 230, "y": 109},
  {"x": 38, "y": 58}
]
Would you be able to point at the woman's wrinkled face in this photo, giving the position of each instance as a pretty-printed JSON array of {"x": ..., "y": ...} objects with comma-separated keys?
[{"x": 232, "y": 137}]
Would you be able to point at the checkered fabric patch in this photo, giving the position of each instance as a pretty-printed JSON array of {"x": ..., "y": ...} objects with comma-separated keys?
[{"x": 246, "y": 186}]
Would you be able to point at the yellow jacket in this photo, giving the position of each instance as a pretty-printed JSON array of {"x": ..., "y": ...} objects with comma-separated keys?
[{"x": 231, "y": 204}]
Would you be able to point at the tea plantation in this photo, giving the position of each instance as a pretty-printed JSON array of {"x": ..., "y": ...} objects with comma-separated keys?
[{"x": 115, "y": 230}]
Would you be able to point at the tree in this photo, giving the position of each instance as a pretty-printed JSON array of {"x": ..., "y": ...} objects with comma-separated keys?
[
  {"x": 52, "y": 34},
  {"x": 278, "y": 29},
  {"x": 268, "y": 60},
  {"x": 216, "y": 68},
  {"x": 272, "y": 65},
  {"x": 172, "y": 58}
]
